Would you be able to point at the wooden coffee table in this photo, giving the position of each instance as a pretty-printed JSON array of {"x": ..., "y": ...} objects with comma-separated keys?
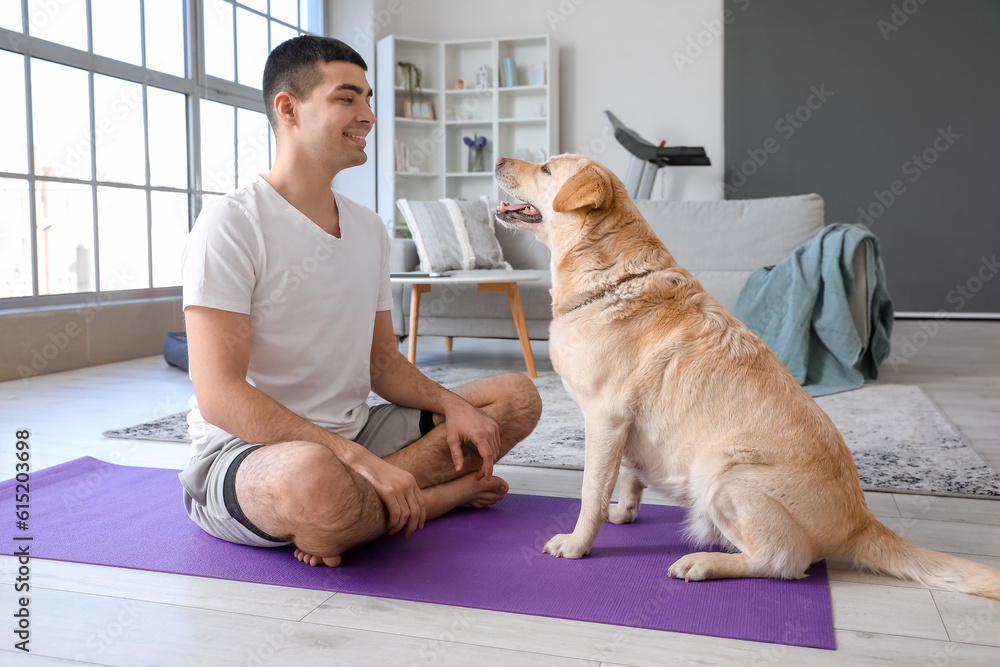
[{"x": 487, "y": 281}]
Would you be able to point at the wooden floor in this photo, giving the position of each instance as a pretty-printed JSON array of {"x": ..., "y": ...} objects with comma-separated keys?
[{"x": 96, "y": 615}]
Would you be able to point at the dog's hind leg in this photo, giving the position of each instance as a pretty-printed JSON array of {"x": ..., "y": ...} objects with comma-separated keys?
[
  {"x": 770, "y": 542},
  {"x": 629, "y": 498}
]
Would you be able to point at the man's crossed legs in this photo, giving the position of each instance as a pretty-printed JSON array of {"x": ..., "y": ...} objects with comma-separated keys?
[{"x": 300, "y": 492}]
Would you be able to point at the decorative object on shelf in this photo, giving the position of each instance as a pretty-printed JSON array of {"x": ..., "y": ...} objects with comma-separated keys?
[
  {"x": 536, "y": 75},
  {"x": 477, "y": 152},
  {"x": 483, "y": 77},
  {"x": 418, "y": 109},
  {"x": 459, "y": 84},
  {"x": 412, "y": 75}
]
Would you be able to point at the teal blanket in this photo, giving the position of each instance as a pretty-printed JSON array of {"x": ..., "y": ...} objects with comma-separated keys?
[{"x": 800, "y": 309}]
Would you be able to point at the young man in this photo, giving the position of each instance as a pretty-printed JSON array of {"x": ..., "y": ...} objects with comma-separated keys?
[{"x": 286, "y": 299}]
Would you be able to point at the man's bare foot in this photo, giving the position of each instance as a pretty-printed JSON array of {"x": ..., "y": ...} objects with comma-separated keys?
[
  {"x": 466, "y": 491},
  {"x": 308, "y": 559}
]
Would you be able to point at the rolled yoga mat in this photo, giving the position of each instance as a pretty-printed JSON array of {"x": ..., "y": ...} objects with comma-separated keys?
[{"x": 89, "y": 511}]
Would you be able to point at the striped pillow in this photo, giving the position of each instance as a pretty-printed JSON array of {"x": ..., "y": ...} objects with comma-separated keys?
[{"x": 453, "y": 234}]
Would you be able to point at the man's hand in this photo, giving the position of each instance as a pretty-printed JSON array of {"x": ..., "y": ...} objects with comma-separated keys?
[
  {"x": 396, "y": 488},
  {"x": 467, "y": 424}
]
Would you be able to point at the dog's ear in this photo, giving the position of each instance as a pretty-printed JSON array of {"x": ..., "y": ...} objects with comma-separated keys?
[{"x": 588, "y": 188}]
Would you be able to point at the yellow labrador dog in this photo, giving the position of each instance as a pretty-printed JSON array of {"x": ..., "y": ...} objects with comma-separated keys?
[{"x": 687, "y": 401}]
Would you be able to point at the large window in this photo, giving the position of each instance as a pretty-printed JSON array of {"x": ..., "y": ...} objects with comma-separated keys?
[{"x": 122, "y": 119}]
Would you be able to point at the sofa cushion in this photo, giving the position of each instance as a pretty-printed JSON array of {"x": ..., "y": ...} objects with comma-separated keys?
[
  {"x": 725, "y": 286},
  {"x": 522, "y": 249},
  {"x": 453, "y": 234},
  {"x": 736, "y": 234}
]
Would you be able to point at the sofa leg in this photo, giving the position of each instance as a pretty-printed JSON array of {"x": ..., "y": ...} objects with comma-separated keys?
[{"x": 448, "y": 340}]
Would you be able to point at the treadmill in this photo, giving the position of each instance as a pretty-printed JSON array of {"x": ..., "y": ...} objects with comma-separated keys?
[{"x": 647, "y": 159}]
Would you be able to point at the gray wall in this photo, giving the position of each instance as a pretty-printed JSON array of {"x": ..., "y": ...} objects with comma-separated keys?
[{"x": 891, "y": 111}]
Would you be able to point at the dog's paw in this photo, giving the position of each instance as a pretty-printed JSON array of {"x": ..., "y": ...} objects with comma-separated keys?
[
  {"x": 690, "y": 568},
  {"x": 619, "y": 513},
  {"x": 566, "y": 546}
]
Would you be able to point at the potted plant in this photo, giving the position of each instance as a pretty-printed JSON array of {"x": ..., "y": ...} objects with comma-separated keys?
[{"x": 411, "y": 76}]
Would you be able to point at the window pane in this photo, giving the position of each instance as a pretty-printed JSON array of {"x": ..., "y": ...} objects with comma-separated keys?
[
  {"x": 218, "y": 157},
  {"x": 122, "y": 234},
  {"x": 60, "y": 107},
  {"x": 63, "y": 22},
  {"x": 121, "y": 148},
  {"x": 281, "y": 33},
  {"x": 65, "y": 214},
  {"x": 251, "y": 149},
  {"x": 251, "y": 47},
  {"x": 219, "y": 49},
  {"x": 165, "y": 36},
  {"x": 259, "y": 5},
  {"x": 14, "y": 138},
  {"x": 168, "y": 141},
  {"x": 170, "y": 230},
  {"x": 117, "y": 29},
  {"x": 274, "y": 144},
  {"x": 15, "y": 239},
  {"x": 308, "y": 24},
  {"x": 285, "y": 10},
  {"x": 10, "y": 16}
]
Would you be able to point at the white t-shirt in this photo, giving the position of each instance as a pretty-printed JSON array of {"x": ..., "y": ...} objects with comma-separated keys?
[{"x": 311, "y": 298}]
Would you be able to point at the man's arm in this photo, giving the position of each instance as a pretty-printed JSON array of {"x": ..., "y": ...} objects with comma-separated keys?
[
  {"x": 219, "y": 355},
  {"x": 398, "y": 381}
]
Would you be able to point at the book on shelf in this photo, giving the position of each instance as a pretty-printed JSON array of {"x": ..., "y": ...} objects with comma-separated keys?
[
  {"x": 400, "y": 149},
  {"x": 508, "y": 72}
]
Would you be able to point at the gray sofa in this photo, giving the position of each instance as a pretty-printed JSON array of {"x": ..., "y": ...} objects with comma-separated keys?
[{"x": 720, "y": 242}]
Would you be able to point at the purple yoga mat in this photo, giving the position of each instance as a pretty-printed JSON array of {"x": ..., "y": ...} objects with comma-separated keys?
[{"x": 89, "y": 511}]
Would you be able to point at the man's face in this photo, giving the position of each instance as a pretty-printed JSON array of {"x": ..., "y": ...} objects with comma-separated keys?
[{"x": 337, "y": 116}]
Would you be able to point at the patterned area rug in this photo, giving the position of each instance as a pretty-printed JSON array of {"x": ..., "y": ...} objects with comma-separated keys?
[{"x": 900, "y": 439}]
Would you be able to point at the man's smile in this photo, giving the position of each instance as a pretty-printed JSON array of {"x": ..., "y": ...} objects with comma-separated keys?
[{"x": 357, "y": 137}]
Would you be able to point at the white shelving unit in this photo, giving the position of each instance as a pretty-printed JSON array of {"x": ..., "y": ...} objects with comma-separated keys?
[{"x": 518, "y": 121}]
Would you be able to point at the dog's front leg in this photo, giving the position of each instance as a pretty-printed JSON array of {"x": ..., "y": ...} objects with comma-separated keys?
[{"x": 605, "y": 444}]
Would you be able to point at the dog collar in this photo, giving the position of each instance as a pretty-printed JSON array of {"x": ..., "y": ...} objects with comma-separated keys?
[{"x": 601, "y": 295}]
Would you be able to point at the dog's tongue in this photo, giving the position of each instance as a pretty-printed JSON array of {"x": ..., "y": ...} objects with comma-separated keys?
[{"x": 504, "y": 206}]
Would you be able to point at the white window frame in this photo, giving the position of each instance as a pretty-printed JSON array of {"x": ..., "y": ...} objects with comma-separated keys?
[{"x": 196, "y": 86}]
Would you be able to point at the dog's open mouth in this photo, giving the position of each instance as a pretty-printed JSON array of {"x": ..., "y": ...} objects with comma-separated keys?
[{"x": 518, "y": 212}]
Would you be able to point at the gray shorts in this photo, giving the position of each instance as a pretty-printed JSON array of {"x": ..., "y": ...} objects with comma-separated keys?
[{"x": 209, "y": 481}]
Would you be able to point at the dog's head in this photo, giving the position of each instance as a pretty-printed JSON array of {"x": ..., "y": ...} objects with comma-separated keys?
[{"x": 562, "y": 194}]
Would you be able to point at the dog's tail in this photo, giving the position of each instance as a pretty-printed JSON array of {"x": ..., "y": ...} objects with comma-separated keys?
[{"x": 879, "y": 548}]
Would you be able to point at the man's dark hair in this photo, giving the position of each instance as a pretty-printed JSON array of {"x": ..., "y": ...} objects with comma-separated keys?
[{"x": 291, "y": 67}]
